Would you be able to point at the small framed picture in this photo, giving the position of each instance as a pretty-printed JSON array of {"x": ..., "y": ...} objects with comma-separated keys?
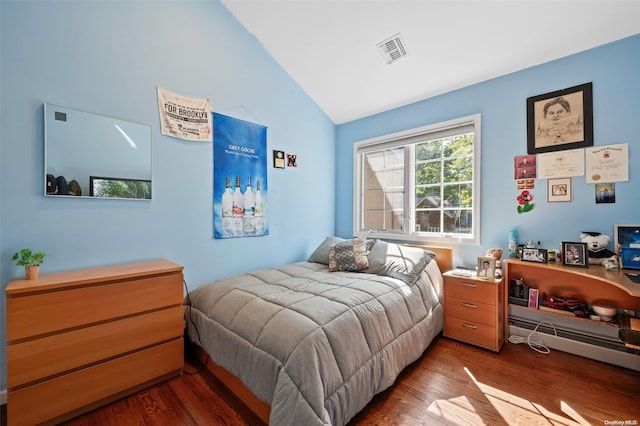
[
  {"x": 605, "y": 193},
  {"x": 278, "y": 159},
  {"x": 486, "y": 267},
  {"x": 626, "y": 235},
  {"x": 575, "y": 254},
  {"x": 559, "y": 190},
  {"x": 534, "y": 255}
]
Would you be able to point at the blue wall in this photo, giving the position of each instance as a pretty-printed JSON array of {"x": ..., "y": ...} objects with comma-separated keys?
[
  {"x": 108, "y": 57},
  {"x": 614, "y": 70}
]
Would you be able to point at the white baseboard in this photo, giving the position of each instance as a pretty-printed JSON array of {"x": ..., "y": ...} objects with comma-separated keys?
[
  {"x": 610, "y": 356},
  {"x": 3, "y": 396}
]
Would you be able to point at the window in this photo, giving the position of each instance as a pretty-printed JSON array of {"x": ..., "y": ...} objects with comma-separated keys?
[{"x": 420, "y": 185}]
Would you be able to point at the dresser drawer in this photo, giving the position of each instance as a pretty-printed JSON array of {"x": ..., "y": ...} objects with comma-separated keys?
[
  {"x": 41, "y": 313},
  {"x": 471, "y": 290},
  {"x": 51, "y": 355},
  {"x": 471, "y": 311},
  {"x": 75, "y": 390},
  {"x": 471, "y": 332}
]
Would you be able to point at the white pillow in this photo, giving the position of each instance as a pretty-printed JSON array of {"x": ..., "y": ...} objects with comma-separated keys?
[
  {"x": 321, "y": 254},
  {"x": 398, "y": 261}
]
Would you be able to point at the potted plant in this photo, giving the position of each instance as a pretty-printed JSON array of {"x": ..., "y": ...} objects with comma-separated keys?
[{"x": 31, "y": 262}]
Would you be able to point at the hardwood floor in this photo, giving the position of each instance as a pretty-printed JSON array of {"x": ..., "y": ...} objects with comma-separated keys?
[{"x": 452, "y": 384}]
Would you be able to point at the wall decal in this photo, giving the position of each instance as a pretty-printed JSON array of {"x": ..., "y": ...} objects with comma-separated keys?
[{"x": 524, "y": 202}]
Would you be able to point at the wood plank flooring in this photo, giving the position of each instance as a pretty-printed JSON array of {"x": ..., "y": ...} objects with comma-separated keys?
[{"x": 452, "y": 384}]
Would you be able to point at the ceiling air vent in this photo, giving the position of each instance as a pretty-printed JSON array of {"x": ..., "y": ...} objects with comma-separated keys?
[{"x": 392, "y": 49}]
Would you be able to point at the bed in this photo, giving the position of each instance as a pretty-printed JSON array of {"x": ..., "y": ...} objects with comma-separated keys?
[{"x": 313, "y": 341}]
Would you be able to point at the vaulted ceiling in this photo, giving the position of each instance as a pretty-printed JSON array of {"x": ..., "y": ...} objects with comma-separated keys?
[{"x": 331, "y": 47}]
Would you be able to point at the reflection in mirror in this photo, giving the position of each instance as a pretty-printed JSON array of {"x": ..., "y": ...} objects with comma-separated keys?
[{"x": 94, "y": 156}]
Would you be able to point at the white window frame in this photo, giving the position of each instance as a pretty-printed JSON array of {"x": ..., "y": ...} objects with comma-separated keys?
[{"x": 406, "y": 138}]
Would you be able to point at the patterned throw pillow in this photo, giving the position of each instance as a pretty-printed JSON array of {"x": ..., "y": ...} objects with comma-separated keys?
[{"x": 348, "y": 255}]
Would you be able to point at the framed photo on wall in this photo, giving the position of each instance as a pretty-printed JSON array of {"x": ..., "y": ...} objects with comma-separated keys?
[
  {"x": 559, "y": 190},
  {"x": 575, "y": 254},
  {"x": 560, "y": 120},
  {"x": 486, "y": 267}
]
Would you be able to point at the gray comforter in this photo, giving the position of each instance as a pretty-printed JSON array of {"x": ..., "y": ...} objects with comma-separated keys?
[{"x": 316, "y": 345}]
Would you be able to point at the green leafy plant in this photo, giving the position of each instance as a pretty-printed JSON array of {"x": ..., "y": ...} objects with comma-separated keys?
[{"x": 26, "y": 257}]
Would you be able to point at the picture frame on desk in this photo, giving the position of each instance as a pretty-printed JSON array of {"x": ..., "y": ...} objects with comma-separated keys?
[
  {"x": 625, "y": 235},
  {"x": 537, "y": 255},
  {"x": 486, "y": 267},
  {"x": 575, "y": 254}
]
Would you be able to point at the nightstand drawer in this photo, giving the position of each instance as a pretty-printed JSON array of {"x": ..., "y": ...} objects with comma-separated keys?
[
  {"x": 471, "y": 332},
  {"x": 471, "y": 290},
  {"x": 471, "y": 311}
]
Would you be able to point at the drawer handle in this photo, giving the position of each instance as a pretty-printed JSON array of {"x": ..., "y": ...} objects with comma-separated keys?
[
  {"x": 468, "y": 284},
  {"x": 468, "y": 325},
  {"x": 468, "y": 305}
]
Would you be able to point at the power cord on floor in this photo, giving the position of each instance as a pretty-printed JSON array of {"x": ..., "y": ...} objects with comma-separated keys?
[{"x": 535, "y": 343}]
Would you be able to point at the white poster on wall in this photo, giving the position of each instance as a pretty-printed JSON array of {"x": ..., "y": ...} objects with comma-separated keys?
[
  {"x": 608, "y": 163},
  {"x": 183, "y": 117},
  {"x": 561, "y": 164}
]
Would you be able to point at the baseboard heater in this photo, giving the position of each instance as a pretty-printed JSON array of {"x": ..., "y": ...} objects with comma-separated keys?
[{"x": 601, "y": 348}]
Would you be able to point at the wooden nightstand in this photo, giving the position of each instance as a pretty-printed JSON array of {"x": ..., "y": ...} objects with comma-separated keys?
[{"x": 474, "y": 310}]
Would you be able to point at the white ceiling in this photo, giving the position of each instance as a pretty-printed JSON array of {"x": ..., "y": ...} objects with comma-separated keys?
[{"x": 329, "y": 47}]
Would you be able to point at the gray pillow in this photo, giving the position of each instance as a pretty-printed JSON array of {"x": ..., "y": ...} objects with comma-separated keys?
[
  {"x": 398, "y": 261},
  {"x": 321, "y": 254},
  {"x": 348, "y": 255}
]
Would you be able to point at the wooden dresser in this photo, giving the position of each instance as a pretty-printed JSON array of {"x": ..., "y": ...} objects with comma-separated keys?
[
  {"x": 474, "y": 311},
  {"x": 77, "y": 340}
]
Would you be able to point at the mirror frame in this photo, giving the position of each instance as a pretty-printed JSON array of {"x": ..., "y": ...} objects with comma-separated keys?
[{"x": 139, "y": 131}]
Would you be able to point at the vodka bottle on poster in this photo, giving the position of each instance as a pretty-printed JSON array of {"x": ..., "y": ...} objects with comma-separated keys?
[
  {"x": 249, "y": 209},
  {"x": 259, "y": 210},
  {"x": 238, "y": 209},
  {"x": 227, "y": 208}
]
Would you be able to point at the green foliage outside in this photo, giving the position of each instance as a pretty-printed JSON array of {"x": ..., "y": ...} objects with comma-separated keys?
[
  {"x": 447, "y": 164},
  {"x": 113, "y": 188}
]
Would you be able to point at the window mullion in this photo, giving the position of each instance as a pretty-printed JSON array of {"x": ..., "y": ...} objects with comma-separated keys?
[{"x": 409, "y": 189}]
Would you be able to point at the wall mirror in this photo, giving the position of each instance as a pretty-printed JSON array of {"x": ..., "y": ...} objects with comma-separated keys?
[{"x": 95, "y": 156}]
